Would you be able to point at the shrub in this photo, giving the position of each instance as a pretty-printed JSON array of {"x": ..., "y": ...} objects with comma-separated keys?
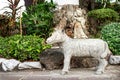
[
  {"x": 116, "y": 7},
  {"x": 104, "y": 14},
  {"x": 111, "y": 34},
  {"x": 22, "y": 47},
  {"x": 38, "y": 19},
  {"x": 99, "y": 17},
  {"x": 103, "y": 3}
]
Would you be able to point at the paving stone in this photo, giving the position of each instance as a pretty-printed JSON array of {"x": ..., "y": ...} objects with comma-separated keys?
[
  {"x": 111, "y": 73},
  {"x": 37, "y": 78},
  {"x": 10, "y": 77},
  {"x": 72, "y": 78}
]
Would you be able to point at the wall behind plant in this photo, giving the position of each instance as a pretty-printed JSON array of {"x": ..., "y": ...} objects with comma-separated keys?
[{"x": 63, "y": 2}]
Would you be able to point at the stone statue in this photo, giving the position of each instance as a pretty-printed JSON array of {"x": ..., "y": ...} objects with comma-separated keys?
[{"x": 96, "y": 48}]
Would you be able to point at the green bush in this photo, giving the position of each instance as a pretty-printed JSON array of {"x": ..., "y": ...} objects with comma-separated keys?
[
  {"x": 111, "y": 34},
  {"x": 100, "y": 17},
  {"x": 104, "y": 14},
  {"x": 22, "y": 47},
  {"x": 116, "y": 7},
  {"x": 39, "y": 19}
]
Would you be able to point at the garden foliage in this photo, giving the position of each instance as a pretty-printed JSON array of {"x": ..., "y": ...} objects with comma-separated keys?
[
  {"x": 6, "y": 28},
  {"x": 22, "y": 47},
  {"x": 39, "y": 19},
  {"x": 4, "y": 25},
  {"x": 103, "y": 3},
  {"x": 8, "y": 19},
  {"x": 115, "y": 7},
  {"x": 104, "y": 14},
  {"x": 111, "y": 34},
  {"x": 100, "y": 17}
]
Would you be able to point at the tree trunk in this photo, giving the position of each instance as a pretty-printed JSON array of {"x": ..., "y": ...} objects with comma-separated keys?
[
  {"x": 28, "y": 3},
  {"x": 92, "y": 4},
  {"x": 80, "y": 3},
  {"x": 32, "y": 2},
  {"x": 87, "y": 4}
]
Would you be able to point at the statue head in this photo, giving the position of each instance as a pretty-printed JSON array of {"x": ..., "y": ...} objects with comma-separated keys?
[{"x": 56, "y": 37}]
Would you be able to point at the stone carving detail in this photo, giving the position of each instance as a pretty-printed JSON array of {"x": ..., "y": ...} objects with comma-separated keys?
[{"x": 73, "y": 20}]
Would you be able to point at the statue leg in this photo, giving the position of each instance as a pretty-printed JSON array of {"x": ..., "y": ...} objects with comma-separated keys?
[
  {"x": 102, "y": 64},
  {"x": 66, "y": 65}
]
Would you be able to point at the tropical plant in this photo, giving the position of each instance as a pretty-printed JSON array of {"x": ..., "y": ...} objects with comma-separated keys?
[
  {"x": 38, "y": 19},
  {"x": 4, "y": 21},
  {"x": 22, "y": 47},
  {"x": 13, "y": 6},
  {"x": 10, "y": 27},
  {"x": 111, "y": 34}
]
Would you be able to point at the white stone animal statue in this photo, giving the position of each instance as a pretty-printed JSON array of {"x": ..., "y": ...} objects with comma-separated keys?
[{"x": 96, "y": 48}]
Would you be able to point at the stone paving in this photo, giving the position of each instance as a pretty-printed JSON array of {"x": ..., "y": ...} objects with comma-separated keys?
[{"x": 111, "y": 73}]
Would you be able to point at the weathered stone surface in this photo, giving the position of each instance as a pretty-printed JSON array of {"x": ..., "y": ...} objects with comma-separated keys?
[
  {"x": 29, "y": 65},
  {"x": 53, "y": 59},
  {"x": 73, "y": 19},
  {"x": 83, "y": 62}
]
